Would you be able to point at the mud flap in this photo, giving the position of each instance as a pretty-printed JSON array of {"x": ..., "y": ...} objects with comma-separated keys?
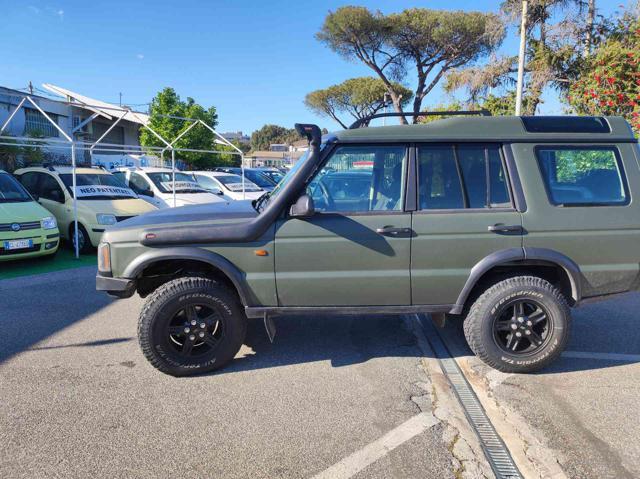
[{"x": 270, "y": 326}]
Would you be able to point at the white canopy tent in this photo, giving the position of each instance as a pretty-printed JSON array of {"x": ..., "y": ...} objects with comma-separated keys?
[{"x": 119, "y": 113}]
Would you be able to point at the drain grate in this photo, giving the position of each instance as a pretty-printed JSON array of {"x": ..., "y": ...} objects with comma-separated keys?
[{"x": 494, "y": 447}]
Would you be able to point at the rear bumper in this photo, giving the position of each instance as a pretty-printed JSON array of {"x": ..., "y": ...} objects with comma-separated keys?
[{"x": 116, "y": 287}]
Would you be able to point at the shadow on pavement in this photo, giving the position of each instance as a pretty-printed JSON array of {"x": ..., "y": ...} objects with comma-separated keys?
[
  {"x": 88, "y": 344},
  {"x": 33, "y": 308},
  {"x": 342, "y": 340}
]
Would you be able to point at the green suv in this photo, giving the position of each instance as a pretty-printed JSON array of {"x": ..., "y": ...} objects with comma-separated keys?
[{"x": 504, "y": 222}]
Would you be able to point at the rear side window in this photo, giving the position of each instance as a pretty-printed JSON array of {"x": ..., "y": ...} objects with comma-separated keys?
[
  {"x": 462, "y": 176},
  {"x": 583, "y": 176}
]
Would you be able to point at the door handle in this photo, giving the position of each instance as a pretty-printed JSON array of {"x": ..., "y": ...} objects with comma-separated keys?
[
  {"x": 392, "y": 231},
  {"x": 500, "y": 228}
]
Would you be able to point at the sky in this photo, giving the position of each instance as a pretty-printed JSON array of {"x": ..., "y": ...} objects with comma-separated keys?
[{"x": 254, "y": 60}]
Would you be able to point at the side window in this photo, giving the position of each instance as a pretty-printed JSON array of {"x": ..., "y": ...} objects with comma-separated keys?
[
  {"x": 50, "y": 189},
  {"x": 30, "y": 182},
  {"x": 461, "y": 176},
  {"x": 138, "y": 183},
  {"x": 361, "y": 179},
  {"x": 585, "y": 176}
]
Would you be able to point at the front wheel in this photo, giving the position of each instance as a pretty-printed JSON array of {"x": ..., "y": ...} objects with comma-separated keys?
[
  {"x": 190, "y": 326},
  {"x": 519, "y": 325}
]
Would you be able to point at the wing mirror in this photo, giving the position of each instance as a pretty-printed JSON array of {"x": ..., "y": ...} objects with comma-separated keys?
[{"x": 303, "y": 207}]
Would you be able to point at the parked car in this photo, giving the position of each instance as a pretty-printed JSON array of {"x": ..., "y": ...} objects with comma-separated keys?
[
  {"x": 254, "y": 175},
  {"x": 503, "y": 222},
  {"x": 26, "y": 228},
  {"x": 155, "y": 185},
  {"x": 228, "y": 184},
  {"x": 102, "y": 200},
  {"x": 273, "y": 174}
]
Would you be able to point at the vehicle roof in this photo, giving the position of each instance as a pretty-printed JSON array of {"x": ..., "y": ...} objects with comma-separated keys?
[
  {"x": 146, "y": 169},
  {"x": 480, "y": 129},
  {"x": 63, "y": 170}
]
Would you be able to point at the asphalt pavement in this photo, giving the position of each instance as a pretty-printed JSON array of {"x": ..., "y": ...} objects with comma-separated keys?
[{"x": 77, "y": 398}]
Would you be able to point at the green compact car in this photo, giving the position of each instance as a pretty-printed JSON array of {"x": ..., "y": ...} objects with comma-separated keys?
[
  {"x": 26, "y": 228},
  {"x": 504, "y": 223}
]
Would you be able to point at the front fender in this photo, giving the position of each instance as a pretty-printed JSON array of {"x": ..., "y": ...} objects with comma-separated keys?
[{"x": 235, "y": 275}]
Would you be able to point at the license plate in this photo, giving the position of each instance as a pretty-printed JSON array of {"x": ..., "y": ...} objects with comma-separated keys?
[{"x": 18, "y": 244}]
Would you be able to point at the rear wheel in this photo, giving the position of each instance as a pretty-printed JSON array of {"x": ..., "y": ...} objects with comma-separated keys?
[
  {"x": 190, "y": 326},
  {"x": 519, "y": 325}
]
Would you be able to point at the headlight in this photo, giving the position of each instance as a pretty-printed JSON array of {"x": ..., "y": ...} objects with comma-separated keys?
[
  {"x": 104, "y": 258},
  {"x": 49, "y": 223},
  {"x": 106, "y": 219}
]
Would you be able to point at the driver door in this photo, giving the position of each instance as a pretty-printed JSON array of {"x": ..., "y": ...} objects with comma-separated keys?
[{"x": 355, "y": 250}]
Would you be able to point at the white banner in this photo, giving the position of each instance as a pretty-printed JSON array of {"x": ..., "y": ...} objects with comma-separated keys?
[
  {"x": 238, "y": 187},
  {"x": 103, "y": 190},
  {"x": 182, "y": 185}
]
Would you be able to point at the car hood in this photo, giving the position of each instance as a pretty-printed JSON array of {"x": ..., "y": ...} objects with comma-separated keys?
[
  {"x": 208, "y": 212},
  {"x": 120, "y": 207},
  {"x": 22, "y": 212}
]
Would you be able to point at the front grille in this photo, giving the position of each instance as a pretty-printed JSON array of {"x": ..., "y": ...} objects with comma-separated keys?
[
  {"x": 31, "y": 225},
  {"x": 35, "y": 247},
  {"x": 122, "y": 218}
]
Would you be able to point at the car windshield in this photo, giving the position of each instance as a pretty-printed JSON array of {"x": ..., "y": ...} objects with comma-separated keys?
[
  {"x": 185, "y": 183},
  {"x": 259, "y": 178},
  {"x": 97, "y": 186},
  {"x": 234, "y": 183},
  {"x": 273, "y": 175},
  {"x": 11, "y": 191},
  {"x": 264, "y": 200}
]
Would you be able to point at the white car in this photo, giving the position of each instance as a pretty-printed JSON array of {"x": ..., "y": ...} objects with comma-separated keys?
[
  {"x": 155, "y": 185},
  {"x": 229, "y": 184}
]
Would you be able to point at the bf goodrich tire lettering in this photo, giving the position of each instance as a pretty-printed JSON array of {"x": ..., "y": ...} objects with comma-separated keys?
[
  {"x": 479, "y": 324},
  {"x": 175, "y": 297}
]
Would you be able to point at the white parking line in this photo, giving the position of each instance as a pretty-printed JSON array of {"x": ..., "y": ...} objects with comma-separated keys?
[
  {"x": 369, "y": 454},
  {"x": 606, "y": 356}
]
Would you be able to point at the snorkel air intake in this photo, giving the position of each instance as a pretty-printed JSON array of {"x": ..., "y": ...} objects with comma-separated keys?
[{"x": 245, "y": 231}]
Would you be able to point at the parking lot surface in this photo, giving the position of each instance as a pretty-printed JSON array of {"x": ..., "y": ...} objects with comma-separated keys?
[
  {"x": 79, "y": 400},
  {"x": 583, "y": 410},
  {"x": 332, "y": 397}
]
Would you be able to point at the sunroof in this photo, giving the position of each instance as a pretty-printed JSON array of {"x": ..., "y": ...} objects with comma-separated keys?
[{"x": 565, "y": 124}]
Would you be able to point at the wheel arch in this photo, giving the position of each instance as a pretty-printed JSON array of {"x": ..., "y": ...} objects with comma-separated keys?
[
  {"x": 537, "y": 261},
  {"x": 215, "y": 262}
]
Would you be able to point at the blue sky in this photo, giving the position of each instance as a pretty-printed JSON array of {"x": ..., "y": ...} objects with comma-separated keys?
[{"x": 253, "y": 60}]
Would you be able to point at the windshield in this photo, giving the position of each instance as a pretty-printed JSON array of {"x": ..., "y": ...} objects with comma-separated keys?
[
  {"x": 11, "y": 191},
  {"x": 264, "y": 200},
  {"x": 97, "y": 186},
  {"x": 185, "y": 183},
  {"x": 276, "y": 176},
  {"x": 259, "y": 178},
  {"x": 234, "y": 183}
]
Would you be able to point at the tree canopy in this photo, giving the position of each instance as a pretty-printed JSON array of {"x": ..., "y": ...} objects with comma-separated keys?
[
  {"x": 555, "y": 55},
  {"x": 610, "y": 84},
  {"x": 168, "y": 102},
  {"x": 269, "y": 134},
  {"x": 430, "y": 41},
  {"x": 359, "y": 97}
]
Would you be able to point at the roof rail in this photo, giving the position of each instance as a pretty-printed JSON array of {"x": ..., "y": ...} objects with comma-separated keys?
[{"x": 365, "y": 121}]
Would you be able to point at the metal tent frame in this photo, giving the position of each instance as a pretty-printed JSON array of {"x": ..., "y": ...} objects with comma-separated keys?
[{"x": 22, "y": 141}]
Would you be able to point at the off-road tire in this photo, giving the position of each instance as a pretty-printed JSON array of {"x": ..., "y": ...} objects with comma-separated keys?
[
  {"x": 479, "y": 323},
  {"x": 165, "y": 301}
]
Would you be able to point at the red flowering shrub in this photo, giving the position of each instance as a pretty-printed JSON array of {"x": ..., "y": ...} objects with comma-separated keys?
[{"x": 610, "y": 84}]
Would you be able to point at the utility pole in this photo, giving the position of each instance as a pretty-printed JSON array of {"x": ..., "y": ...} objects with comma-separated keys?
[
  {"x": 30, "y": 88},
  {"x": 523, "y": 42},
  {"x": 120, "y": 98}
]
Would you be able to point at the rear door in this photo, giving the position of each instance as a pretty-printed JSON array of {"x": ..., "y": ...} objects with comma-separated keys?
[
  {"x": 465, "y": 212},
  {"x": 355, "y": 250}
]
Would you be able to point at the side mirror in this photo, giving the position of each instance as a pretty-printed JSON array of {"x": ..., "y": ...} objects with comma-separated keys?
[
  {"x": 303, "y": 207},
  {"x": 148, "y": 193},
  {"x": 217, "y": 191}
]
